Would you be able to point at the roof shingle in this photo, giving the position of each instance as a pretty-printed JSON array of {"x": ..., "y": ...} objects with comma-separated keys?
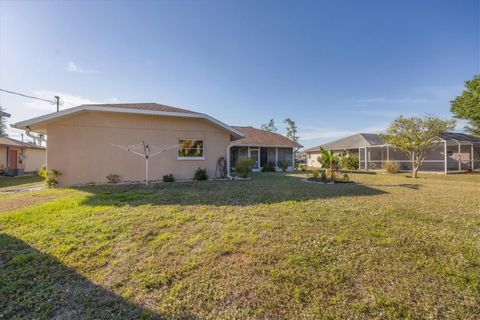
[
  {"x": 7, "y": 141},
  {"x": 143, "y": 106},
  {"x": 258, "y": 137}
]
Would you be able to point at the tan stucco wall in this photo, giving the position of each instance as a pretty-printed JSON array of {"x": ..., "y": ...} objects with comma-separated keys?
[
  {"x": 34, "y": 159},
  {"x": 80, "y": 146}
]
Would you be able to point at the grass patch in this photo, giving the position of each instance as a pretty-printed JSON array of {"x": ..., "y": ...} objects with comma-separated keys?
[
  {"x": 20, "y": 180},
  {"x": 271, "y": 247}
]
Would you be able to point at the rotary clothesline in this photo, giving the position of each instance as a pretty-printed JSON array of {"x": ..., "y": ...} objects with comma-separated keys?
[{"x": 139, "y": 147}]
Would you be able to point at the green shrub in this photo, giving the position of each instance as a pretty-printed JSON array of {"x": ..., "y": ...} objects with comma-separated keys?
[
  {"x": 200, "y": 174},
  {"x": 324, "y": 176},
  {"x": 49, "y": 176},
  {"x": 392, "y": 167},
  {"x": 268, "y": 167},
  {"x": 345, "y": 178},
  {"x": 283, "y": 165},
  {"x": 315, "y": 174},
  {"x": 168, "y": 178},
  {"x": 350, "y": 162},
  {"x": 244, "y": 166},
  {"x": 113, "y": 178}
]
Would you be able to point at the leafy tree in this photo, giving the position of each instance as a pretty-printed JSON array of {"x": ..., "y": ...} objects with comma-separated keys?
[
  {"x": 270, "y": 126},
  {"x": 291, "y": 129},
  {"x": 3, "y": 123},
  {"x": 467, "y": 105},
  {"x": 416, "y": 136},
  {"x": 328, "y": 159}
]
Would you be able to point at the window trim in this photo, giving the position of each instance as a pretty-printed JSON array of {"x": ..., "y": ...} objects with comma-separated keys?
[{"x": 191, "y": 158}]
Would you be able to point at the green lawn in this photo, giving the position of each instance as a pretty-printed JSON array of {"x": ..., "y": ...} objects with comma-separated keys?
[
  {"x": 273, "y": 247},
  {"x": 20, "y": 180}
]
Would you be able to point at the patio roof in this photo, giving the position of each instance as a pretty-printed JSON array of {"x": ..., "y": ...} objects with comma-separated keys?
[
  {"x": 262, "y": 138},
  {"x": 6, "y": 141}
]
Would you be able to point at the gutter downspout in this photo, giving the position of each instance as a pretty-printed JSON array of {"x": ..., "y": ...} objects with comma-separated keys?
[{"x": 228, "y": 163}]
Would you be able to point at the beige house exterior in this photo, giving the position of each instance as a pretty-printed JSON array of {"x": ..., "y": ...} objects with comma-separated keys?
[
  {"x": 83, "y": 142},
  {"x": 17, "y": 155}
]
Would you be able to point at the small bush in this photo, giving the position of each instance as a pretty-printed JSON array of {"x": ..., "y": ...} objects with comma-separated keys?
[
  {"x": 168, "y": 178},
  {"x": 392, "y": 167},
  {"x": 315, "y": 174},
  {"x": 49, "y": 176},
  {"x": 200, "y": 175},
  {"x": 324, "y": 177},
  {"x": 345, "y": 178},
  {"x": 283, "y": 165},
  {"x": 268, "y": 167},
  {"x": 244, "y": 167},
  {"x": 350, "y": 162},
  {"x": 113, "y": 178}
]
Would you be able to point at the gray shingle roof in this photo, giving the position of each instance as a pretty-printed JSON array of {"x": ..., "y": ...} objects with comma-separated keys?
[
  {"x": 361, "y": 140},
  {"x": 143, "y": 106},
  {"x": 460, "y": 137},
  {"x": 259, "y": 137}
]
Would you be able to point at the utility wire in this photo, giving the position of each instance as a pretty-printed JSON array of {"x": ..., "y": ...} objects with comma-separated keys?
[{"x": 27, "y": 96}]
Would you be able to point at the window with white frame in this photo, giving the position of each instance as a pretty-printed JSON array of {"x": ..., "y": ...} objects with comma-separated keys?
[{"x": 190, "y": 149}]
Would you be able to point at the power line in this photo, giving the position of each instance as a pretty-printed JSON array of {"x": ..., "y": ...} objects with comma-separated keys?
[{"x": 27, "y": 96}]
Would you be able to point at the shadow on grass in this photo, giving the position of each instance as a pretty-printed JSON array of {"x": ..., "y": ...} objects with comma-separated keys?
[
  {"x": 264, "y": 188},
  {"x": 34, "y": 285},
  {"x": 18, "y": 181}
]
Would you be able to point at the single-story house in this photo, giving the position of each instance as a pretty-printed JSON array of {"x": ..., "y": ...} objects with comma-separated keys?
[
  {"x": 453, "y": 152},
  {"x": 264, "y": 147},
  {"x": 89, "y": 142},
  {"x": 17, "y": 157}
]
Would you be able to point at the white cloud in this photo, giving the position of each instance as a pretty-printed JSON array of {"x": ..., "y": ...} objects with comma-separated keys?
[{"x": 73, "y": 67}]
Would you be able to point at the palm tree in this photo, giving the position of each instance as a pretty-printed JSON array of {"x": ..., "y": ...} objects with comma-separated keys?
[{"x": 328, "y": 158}]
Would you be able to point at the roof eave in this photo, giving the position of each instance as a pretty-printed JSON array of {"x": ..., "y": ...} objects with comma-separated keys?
[{"x": 52, "y": 116}]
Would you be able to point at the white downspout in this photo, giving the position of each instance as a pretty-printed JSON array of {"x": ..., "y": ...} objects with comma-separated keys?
[
  {"x": 366, "y": 159},
  {"x": 471, "y": 156},
  {"x": 459, "y": 157},
  {"x": 445, "y": 154},
  {"x": 276, "y": 158},
  {"x": 293, "y": 159},
  {"x": 228, "y": 162}
]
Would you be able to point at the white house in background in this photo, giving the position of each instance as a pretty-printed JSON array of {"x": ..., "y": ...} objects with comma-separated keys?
[
  {"x": 453, "y": 153},
  {"x": 17, "y": 157}
]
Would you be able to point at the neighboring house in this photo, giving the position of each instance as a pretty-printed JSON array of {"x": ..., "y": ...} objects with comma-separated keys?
[
  {"x": 17, "y": 156},
  {"x": 264, "y": 147},
  {"x": 83, "y": 141},
  {"x": 454, "y": 152}
]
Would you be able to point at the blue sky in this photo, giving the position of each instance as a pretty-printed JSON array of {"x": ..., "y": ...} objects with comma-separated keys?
[{"x": 335, "y": 67}]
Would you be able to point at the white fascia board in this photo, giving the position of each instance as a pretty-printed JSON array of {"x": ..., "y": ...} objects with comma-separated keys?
[{"x": 63, "y": 113}]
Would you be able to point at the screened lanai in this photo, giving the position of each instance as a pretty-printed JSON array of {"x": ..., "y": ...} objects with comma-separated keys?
[
  {"x": 264, "y": 147},
  {"x": 453, "y": 153}
]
